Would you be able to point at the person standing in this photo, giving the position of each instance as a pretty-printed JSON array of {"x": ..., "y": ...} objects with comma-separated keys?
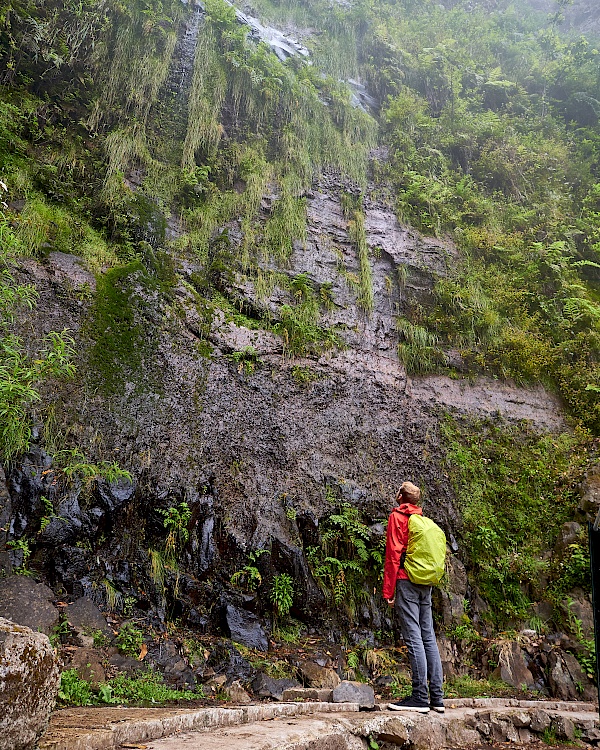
[{"x": 413, "y": 605}]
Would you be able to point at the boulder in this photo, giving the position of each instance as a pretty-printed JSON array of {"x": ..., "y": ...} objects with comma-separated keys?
[
  {"x": 354, "y": 692},
  {"x": 503, "y": 730},
  {"x": 27, "y": 603},
  {"x": 521, "y": 719},
  {"x": 566, "y": 678},
  {"x": 539, "y": 720},
  {"x": 237, "y": 694},
  {"x": 88, "y": 663},
  {"x": 564, "y": 728},
  {"x": 512, "y": 667},
  {"x": 29, "y": 681},
  {"x": 245, "y": 628},
  {"x": 85, "y": 617},
  {"x": 390, "y": 729},
  {"x": 318, "y": 677},
  {"x": 269, "y": 687},
  {"x": 174, "y": 666}
]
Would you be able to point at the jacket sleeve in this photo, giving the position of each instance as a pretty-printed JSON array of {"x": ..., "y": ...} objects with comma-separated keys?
[{"x": 395, "y": 545}]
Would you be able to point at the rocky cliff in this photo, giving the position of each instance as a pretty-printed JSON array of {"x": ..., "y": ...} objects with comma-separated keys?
[{"x": 266, "y": 347}]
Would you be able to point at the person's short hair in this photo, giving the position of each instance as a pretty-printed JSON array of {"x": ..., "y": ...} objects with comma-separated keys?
[{"x": 410, "y": 492}]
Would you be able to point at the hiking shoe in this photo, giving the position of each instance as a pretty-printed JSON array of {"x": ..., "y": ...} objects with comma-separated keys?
[
  {"x": 438, "y": 709},
  {"x": 410, "y": 704}
]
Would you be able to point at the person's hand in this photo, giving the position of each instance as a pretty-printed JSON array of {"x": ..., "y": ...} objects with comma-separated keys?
[{"x": 391, "y": 602}]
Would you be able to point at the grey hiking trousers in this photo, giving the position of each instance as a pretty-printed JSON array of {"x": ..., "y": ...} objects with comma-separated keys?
[{"x": 413, "y": 605}]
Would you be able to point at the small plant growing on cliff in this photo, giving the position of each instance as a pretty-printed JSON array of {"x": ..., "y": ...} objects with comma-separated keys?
[
  {"x": 130, "y": 639},
  {"x": 249, "y": 577},
  {"x": 176, "y": 520},
  {"x": 21, "y": 545},
  {"x": 348, "y": 557},
  {"x": 282, "y": 594},
  {"x": 246, "y": 359},
  {"x": 114, "y": 598},
  {"x": 72, "y": 463},
  {"x": 587, "y": 657}
]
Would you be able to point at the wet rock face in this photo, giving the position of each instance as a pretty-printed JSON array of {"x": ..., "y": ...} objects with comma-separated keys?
[
  {"x": 5, "y": 516},
  {"x": 253, "y": 453},
  {"x": 226, "y": 661},
  {"x": 245, "y": 628},
  {"x": 590, "y": 493},
  {"x": 29, "y": 680}
]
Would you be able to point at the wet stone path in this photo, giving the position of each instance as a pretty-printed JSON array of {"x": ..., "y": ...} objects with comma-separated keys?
[{"x": 476, "y": 724}]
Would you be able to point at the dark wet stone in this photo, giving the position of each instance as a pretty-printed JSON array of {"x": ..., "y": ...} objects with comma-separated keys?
[
  {"x": 245, "y": 628},
  {"x": 5, "y": 514},
  {"x": 309, "y": 599},
  {"x": 173, "y": 665},
  {"x": 115, "y": 494},
  {"x": 84, "y": 615},
  {"x": 68, "y": 522},
  {"x": 269, "y": 687},
  {"x": 226, "y": 660}
]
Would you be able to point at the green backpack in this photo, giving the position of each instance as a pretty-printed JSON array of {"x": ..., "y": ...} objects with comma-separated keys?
[{"x": 425, "y": 552}]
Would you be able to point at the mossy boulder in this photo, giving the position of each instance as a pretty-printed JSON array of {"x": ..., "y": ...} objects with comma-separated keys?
[{"x": 29, "y": 682}]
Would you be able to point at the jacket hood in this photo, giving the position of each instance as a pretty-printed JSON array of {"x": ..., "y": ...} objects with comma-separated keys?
[{"x": 409, "y": 509}]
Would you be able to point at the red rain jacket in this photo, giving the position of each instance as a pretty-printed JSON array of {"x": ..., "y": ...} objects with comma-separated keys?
[{"x": 397, "y": 539}]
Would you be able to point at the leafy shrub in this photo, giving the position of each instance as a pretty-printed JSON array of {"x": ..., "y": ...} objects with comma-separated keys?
[
  {"x": 73, "y": 690},
  {"x": 145, "y": 688},
  {"x": 130, "y": 639}
]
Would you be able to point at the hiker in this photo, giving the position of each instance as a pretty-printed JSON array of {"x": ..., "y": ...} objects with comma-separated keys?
[{"x": 413, "y": 604}]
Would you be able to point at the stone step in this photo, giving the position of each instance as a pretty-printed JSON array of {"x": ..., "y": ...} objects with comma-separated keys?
[{"x": 107, "y": 728}]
